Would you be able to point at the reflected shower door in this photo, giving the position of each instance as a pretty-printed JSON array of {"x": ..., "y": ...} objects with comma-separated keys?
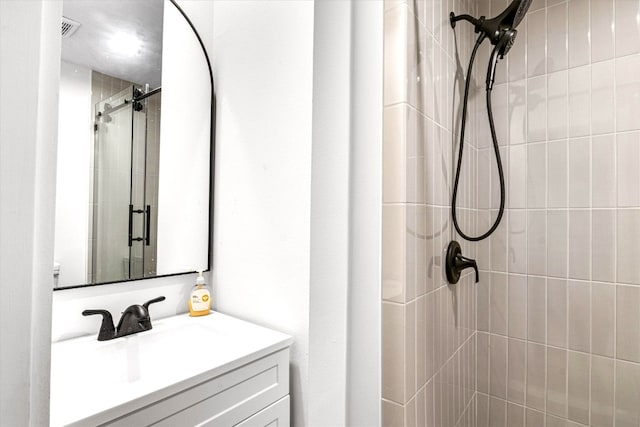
[
  {"x": 144, "y": 186},
  {"x": 125, "y": 188},
  {"x": 112, "y": 188}
]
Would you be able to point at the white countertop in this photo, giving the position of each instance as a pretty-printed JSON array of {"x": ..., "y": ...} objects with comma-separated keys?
[{"x": 96, "y": 381}]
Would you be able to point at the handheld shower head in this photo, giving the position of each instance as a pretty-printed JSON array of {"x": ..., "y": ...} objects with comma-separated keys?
[{"x": 507, "y": 38}]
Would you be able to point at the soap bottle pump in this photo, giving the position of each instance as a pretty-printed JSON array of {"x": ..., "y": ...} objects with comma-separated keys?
[{"x": 200, "y": 301}]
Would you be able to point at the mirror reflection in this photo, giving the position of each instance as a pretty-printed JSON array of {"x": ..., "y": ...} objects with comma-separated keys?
[{"x": 114, "y": 151}]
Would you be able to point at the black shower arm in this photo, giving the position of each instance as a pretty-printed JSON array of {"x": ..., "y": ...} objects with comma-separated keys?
[{"x": 477, "y": 23}]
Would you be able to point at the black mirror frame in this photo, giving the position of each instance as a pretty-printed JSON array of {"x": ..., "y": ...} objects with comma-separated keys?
[{"x": 212, "y": 156}]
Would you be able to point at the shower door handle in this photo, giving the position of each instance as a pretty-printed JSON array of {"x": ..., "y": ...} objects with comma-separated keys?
[
  {"x": 139, "y": 211},
  {"x": 130, "y": 224},
  {"x": 147, "y": 238}
]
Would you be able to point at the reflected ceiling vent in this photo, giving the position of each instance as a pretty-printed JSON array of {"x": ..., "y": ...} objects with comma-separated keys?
[{"x": 69, "y": 26}]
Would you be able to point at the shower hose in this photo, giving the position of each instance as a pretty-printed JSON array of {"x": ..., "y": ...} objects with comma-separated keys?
[{"x": 496, "y": 150}]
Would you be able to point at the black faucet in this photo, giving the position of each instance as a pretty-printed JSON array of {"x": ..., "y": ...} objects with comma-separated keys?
[
  {"x": 134, "y": 319},
  {"x": 456, "y": 263}
]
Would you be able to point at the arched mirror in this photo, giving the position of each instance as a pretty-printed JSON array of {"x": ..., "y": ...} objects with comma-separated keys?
[{"x": 135, "y": 144}]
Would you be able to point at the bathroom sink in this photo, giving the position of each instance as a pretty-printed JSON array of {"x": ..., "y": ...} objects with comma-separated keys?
[{"x": 90, "y": 377}]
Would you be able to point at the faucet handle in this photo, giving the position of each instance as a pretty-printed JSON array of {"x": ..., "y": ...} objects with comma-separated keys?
[
  {"x": 456, "y": 262},
  {"x": 152, "y": 301},
  {"x": 107, "y": 330},
  {"x": 468, "y": 262}
]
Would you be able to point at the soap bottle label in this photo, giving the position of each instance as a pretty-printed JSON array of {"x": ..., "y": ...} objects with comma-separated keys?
[{"x": 200, "y": 300}]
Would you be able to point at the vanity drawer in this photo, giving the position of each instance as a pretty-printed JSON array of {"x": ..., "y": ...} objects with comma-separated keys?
[
  {"x": 222, "y": 401},
  {"x": 276, "y": 415}
]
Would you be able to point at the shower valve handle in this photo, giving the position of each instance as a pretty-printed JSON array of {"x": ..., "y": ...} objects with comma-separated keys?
[{"x": 456, "y": 263}]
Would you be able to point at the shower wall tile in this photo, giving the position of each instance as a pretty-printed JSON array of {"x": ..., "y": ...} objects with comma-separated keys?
[
  {"x": 628, "y": 247},
  {"x": 627, "y": 394},
  {"x": 498, "y": 303},
  {"x": 579, "y": 244},
  {"x": 534, "y": 418},
  {"x": 602, "y": 98},
  {"x": 536, "y": 109},
  {"x": 603, "y": 228},
  {"x": 410, "y": 350},
  {"x": 517, "y": 308},
  {"x": 497, "y": 412},
  {"x": 579, "y": 99},
  {"x": 517, "y": 369},
  {"x": 578, "y": 387},
  {"x": 515, "y": 415},
  {"x": 557, "y": 104},
  {"x": 536, "y": 46},
  {"x": 602, "y": 391},
  {"x": 536, "y": 309},
  {"x": 579, "y": 303},
  {"x": 537, "y": 243},
  {"x": 517, "y": 251},
  {"x": 498, "y": 366},
  {"x": 628, "y": 323},
  {"x": 500, "y": 106},
  {"x": 499, "y": 246},
  {"x": 602, "y": 24},
  {"x": 557, "y": 312},
  {"x": 483, "y": 363},
  {"x": 557, "y": 250},
  {"x": 394, "y": 154},
  {"x": 603, "y": 176},
  {"x": 482, "y": 410},
  {"x": 483, "y": 305},
  {"x": 536, "y": 176},
  {"x": 518, "y": 112},
  {"x": 627, "y": 92},
  {"x": 517, "y": 177},
  {"x": 628, "y": 172},
  {"x": 557, "y": 164},
  {"x": 517, "y": 68},
  {"x": 410, "y": 413},
  {"x": 626, "y": 27},
  {"x": 579, "y": 47},
  {"x": 395, "y": 60},
  {"x": 557, "y": 53},
  {"x": 393, "y": 356},
  {"x": 536, "y": 374},
  {"x": 392, "y": 414},
  {"x": 556, "y": 381},
  {"x": 393, "y": 252},
  {"x": 603, "y": 320}
]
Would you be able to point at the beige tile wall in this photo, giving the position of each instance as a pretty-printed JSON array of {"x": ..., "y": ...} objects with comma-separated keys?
[
  {"x": 559, "y": 317},
  {"x": 429, "y": 328}
]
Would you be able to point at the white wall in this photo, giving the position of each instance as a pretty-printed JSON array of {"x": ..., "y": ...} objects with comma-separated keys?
[
  {"x": 29, "y": 78},
  {"x": 75, "y": 136},
  {"x": 291, "y": 253},
  {"x": 346, "y": 195},
  {"x": 263, "y": 57}
]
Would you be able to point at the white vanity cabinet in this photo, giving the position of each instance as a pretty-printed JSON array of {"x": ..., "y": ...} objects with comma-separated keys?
[{"x": 239, "y": 376}]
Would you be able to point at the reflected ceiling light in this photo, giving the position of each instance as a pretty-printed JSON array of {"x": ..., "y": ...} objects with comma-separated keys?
[{"x": 125, "y": 44}]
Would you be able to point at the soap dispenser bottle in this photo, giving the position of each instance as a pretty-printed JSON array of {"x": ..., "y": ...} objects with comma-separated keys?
[{"x": 200, "y": 300}]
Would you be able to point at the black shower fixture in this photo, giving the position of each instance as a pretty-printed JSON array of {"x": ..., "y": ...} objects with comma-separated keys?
[{"x": 501, "y": 32}]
